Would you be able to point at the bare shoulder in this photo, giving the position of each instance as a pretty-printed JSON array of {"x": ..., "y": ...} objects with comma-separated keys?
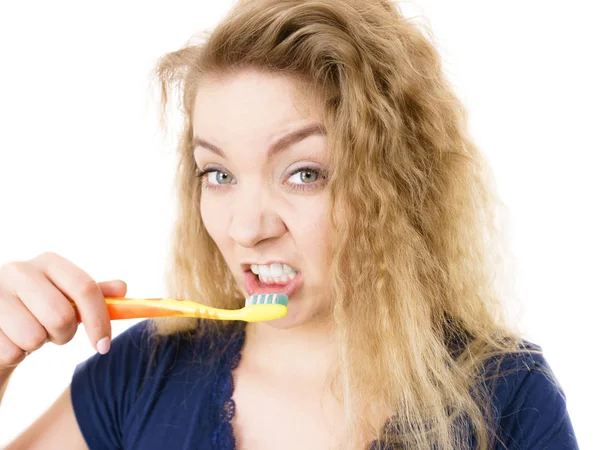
[{"x": 56, "y": 429}]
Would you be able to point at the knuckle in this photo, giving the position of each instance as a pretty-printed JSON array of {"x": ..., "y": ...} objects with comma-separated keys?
[
  {"x": 87, "y": 289},
  {"x": 45, "y": 256},
  {"x": 64, "y": 336},
  {"x": 45, "y": 260},
  {"x": 14, "y": 269},
  {"x": 11, "y": 356},
  {"x": 62, "y": 320},
  {"x": 35, "y": 340}
]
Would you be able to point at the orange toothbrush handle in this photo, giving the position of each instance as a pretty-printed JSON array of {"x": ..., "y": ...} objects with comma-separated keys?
[
  {"x": 143, "y": 308},
  {"x": 123, "y": 310}
]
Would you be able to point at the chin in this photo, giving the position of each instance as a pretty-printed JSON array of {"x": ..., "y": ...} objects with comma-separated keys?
[
  {"x": 288, "y": 322},
  {"x": 295, "y": 318}
]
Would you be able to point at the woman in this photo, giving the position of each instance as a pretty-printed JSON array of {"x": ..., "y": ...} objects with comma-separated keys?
[{"x": 322, "y": 141}]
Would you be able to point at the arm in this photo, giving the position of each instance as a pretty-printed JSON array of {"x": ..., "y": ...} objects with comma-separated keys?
[
  {"x": 93, "y": 409},
  {"x": 56, "y": 429}
]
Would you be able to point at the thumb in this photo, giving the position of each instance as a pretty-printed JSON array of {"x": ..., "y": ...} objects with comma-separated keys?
[{"x": 113, "y": 288}]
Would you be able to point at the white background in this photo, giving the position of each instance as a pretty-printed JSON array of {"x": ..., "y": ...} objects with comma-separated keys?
[{"x": 86, "y": 172}]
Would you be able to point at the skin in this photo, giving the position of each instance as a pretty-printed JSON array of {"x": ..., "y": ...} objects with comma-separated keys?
[
  {"x": 269, "y": 211},
  {"x": 254, "y": 210}
]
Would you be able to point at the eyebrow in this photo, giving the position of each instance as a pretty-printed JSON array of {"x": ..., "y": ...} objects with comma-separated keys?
[{"x": 280, "y": 144}]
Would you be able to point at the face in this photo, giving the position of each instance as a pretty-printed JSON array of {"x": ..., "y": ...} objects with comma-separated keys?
[{"x": 261, "y": 151}]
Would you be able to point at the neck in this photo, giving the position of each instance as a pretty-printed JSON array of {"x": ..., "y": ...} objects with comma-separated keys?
[{"x": 306, "y": 351}]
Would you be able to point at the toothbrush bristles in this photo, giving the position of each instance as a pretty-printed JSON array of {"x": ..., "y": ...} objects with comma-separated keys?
[{"x": 267, "y": 299}]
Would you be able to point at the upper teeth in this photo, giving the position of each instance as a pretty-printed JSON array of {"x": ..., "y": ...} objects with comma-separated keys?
[{"x": 274, "y": 272}]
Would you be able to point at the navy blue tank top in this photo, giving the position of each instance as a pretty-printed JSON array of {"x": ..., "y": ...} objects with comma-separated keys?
[{"x": 172, "y": 394}]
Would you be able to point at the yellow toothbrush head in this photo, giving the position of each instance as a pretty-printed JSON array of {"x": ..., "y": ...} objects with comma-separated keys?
[{"x": 263, "y": 307}]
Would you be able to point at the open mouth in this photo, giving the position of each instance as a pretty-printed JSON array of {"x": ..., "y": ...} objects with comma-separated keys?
[{"x": 256, "y": 284}]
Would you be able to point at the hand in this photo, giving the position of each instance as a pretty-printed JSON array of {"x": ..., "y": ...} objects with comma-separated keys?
[{"x": 35, "y": 306}]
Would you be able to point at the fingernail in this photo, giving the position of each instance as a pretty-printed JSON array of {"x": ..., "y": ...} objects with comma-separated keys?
[{"x": 103, "y": 346}]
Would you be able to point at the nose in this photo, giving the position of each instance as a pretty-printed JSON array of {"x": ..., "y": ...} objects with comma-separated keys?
[{"x": 255, "y": 218}]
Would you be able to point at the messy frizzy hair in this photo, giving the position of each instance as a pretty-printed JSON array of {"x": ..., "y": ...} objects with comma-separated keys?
[{"x": 417, "y": 249}]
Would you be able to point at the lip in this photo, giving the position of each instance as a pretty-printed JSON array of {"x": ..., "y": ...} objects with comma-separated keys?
[
  {"x": 247, "y": 266},
  {"x": 253, "y": 285}
]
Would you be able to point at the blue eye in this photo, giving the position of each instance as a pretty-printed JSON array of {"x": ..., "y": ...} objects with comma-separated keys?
[
  {"x": 217, "y": 177},
  {"x": 305, "y": 175},
  {"x": 307, "y": 179},
  {"x": 213, "y": 178}
]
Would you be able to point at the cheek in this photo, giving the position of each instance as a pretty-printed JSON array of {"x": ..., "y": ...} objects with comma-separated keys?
[
  {"x": 212, "y": 219},
  {"x": 312, "y": 234}
]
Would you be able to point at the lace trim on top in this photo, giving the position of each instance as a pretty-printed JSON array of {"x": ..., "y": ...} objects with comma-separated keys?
[{"x": 223, "y": 438}]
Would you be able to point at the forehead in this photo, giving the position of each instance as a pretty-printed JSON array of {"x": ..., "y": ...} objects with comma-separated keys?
[{"x": 251, "y": 102}]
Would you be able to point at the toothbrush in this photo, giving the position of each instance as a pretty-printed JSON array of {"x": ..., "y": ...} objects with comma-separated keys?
[{"x": 259, "y": 308}]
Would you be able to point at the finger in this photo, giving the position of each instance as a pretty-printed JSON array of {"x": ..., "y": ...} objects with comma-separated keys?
[
  {"x": 47, "y": 304},
  {"x": 19, "y": 325},
  {"x": 113, "y": 288},
  {"x": 78, "y": 286},
  {"x": 10, "y": 354}
]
